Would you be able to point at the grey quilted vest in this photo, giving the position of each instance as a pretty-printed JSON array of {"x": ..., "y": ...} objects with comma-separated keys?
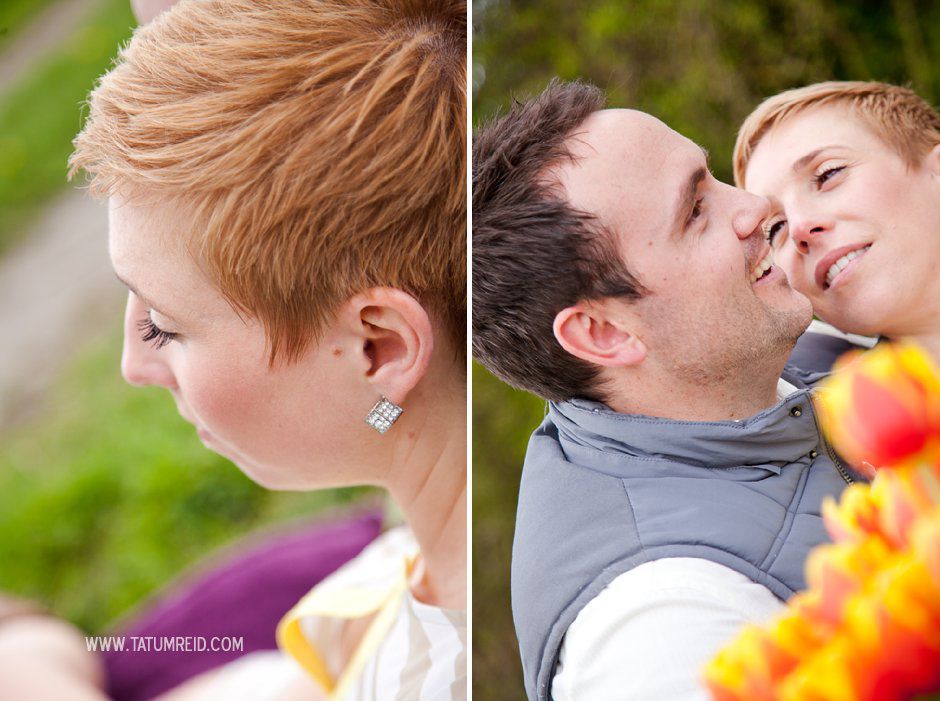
[{"x": 604, "y": 492}]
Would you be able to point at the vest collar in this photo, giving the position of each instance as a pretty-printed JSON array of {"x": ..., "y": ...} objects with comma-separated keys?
[{"x": 783, "y": 433}]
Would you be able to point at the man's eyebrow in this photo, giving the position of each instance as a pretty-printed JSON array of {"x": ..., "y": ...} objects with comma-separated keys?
[
  {"x": 144, "y": 298},
  {"x": 800, "y": 163},
  {"x": 686, "y": 200}
]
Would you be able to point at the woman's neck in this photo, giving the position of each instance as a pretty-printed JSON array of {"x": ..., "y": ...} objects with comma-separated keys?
[
  {"x": 428, "y": 481},
  {"x": 930, "y": 342}
]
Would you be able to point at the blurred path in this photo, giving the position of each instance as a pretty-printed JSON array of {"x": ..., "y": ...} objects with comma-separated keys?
[
  {"x": 57, "y": 291},
  {"x": 48, "y": 29}
]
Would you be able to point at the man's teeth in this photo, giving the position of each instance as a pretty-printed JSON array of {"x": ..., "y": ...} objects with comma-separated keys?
[
  {"x": 762, "y": 267},
  {"x": 840, "y": 264}
]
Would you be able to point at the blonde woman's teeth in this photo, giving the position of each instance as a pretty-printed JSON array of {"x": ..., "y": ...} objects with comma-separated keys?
[{"x": 841, "y": 264}]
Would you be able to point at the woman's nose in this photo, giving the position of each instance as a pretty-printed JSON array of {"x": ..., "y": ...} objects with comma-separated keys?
[
  {"x": 141, "y": 363},
  {"x": 805, "y": 229}
]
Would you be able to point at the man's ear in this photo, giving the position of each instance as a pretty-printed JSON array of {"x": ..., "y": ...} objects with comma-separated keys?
[
  {"x": 592, "y": 332},
  {"x": 394, "y": 338}
]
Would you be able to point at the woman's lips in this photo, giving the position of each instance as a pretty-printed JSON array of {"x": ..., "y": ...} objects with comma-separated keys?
[{"x": 834, "y": 256}]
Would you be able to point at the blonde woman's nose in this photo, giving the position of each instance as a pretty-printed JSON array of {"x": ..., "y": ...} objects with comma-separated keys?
[{"x": 805, "y": 229}]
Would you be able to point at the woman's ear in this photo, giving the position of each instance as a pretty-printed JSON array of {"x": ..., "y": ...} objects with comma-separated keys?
[
  {"x": 147, "y": 10},
  {"x": 394, "y": 336},
  {"x": 932, "y": 161},
  {"x": 592, "y": 332}
]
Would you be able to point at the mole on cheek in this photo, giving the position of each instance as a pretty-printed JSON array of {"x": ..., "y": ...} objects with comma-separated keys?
[{"x": 337, "y": 352}]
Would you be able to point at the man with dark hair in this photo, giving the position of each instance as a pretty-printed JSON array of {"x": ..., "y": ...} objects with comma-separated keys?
[{"x": 674, "y": 489}]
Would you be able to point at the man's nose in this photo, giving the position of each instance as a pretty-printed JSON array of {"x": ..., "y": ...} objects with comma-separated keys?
[
  {"x": 141, "y": 363},
  {"x": 750, "y": 212}
]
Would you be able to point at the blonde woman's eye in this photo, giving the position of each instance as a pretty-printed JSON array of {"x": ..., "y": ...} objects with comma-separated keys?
[
  {"x": 151, "y": 333},
  {"x": 820, "y": 179},
  {"x": 774, "y": 229}
]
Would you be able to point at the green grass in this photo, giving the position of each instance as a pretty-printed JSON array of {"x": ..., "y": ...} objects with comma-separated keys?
[
  {"x": 14, "y": 14},
  {"x": 110, "y": 494},
  {"x": 41, "y": 114}
]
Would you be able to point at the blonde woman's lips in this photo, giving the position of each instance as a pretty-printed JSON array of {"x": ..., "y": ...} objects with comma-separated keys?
[{"x": 835, "y": 261}]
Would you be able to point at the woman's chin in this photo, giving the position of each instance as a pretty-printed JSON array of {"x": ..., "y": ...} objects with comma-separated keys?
[
  {"x": 267, "y": 475},
  {"x": 272, "y": 478},
  {"x": 862, "y": 322}
]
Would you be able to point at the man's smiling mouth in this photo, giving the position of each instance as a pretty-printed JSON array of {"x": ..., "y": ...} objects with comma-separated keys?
[{"x": 762, "y": 269}]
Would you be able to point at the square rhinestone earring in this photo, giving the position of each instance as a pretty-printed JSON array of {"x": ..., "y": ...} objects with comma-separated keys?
[{"x": 383, "y": 415}]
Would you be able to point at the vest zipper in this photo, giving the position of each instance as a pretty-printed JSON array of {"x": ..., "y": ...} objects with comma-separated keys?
[
  {"x": 829, "y": 451},
  {"x": 838, "y": 465}
]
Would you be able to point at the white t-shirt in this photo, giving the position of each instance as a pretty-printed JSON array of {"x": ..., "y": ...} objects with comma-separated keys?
[{"x": 648, "y": 634}]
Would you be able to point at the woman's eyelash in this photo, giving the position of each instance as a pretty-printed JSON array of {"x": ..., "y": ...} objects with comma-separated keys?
[
  {"x": 150, "y": 332},
  {"x": 774, "y": 229},
  {"x": 823, "y": 177}
]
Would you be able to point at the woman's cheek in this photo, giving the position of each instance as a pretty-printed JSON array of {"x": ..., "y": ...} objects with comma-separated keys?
[
  {"x": 221, "y": 400},
  {"x": 790, "y": 267}
]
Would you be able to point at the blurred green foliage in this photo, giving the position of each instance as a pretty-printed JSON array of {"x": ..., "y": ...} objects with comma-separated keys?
[
  {"x": 502, "y": 419},
  {"x": 110, "y": 494},
  {"x": 701, "y": 67},
  {"x": 41, "y": 114}
]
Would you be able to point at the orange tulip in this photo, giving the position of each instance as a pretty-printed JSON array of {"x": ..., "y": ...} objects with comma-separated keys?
[
  {"x": 855, "y": 518},
  {"x": 926, "y": 541},
  {"x": 904, "y": 496},
  {"x": 883, "y": 408}
]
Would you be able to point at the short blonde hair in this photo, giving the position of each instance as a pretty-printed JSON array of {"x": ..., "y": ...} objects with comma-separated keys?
[
  {"x": 322, "y": 144},
  {"x": 898, "y": 116}
]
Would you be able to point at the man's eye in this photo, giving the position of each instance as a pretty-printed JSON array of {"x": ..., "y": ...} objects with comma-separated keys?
[
  {"x": 696, "y": 210},
  {"x": 820, "y": 179}
]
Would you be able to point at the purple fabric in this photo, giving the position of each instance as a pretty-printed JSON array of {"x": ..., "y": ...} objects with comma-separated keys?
[{"x": 244, "y": 595}]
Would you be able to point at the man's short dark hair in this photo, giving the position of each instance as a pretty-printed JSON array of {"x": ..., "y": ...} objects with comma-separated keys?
[{"x": 533, "y": 255}]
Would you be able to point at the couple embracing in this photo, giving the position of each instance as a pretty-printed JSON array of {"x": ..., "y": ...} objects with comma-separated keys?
[{"x": 673, "y": 491}]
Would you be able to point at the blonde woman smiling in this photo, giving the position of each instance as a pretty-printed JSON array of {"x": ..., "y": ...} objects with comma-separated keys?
[{"x": 854, "y": 171}]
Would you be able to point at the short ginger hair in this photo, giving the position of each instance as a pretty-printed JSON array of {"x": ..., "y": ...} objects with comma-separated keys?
[
  {"x": 320, "y": 143},
  {"x": 897, "y": 115}
]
